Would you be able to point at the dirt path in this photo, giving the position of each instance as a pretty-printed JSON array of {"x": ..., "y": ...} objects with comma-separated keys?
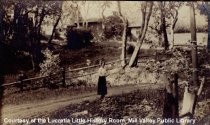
[{"x": 48, "y": 106}]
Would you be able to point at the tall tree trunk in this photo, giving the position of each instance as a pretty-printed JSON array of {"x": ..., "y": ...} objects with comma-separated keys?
[
  {"x": 171, "y": 106},
  {"x": 1, "y": 95},
  {"x": 77, "y": 16},
  {"x": 40, "y": 24},
  {"x": 1, "y": 23},
  {"x": 141, "y": 39},
  {"x": 194, "y": 40},
  {"x": 193, "y": 23},
  {"x": 143, "y": 11},
  {"x": 172, "y": 38},
  {"x": 124, "y": 44},
  {"x": 173, "y": 24},
  {"x": 163, "y": 26},
  {"x": 86, "y": 24},
  {"x": 124, "y": 36},
  {"x": 1, "y": 72},
  {"x": 208, "y": 43},
  {"x": 190, "y": 96},
  {"x": 54, "y": 28},
  {"x": 32, "y": 62}
]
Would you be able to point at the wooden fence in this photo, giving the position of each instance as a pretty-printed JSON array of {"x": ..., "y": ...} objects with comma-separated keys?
[{"x": 58, "y": 79}]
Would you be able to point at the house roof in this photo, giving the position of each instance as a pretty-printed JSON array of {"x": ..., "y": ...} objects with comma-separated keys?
[
  {"x": 92, "y": 20},
  {"x": 98, "y": 20},
  {"x": 134, "y": 26}
]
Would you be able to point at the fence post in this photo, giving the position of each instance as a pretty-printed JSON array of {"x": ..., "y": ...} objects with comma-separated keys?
[
  {"x": 20, "y": 79},
  {"x": 176, "y": 95},
  {"x": 64, "y": 77},
  {"x": 171, "y": 105},
  {"x": 194, "y": 63}
]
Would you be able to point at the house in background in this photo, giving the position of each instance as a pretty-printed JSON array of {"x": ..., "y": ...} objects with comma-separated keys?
[
  {"x": 95, "y": 25},
  {"x": 133, "y": 32}
]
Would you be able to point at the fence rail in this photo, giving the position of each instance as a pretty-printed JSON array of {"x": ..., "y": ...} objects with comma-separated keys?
[{"x": 71, "y": 70}]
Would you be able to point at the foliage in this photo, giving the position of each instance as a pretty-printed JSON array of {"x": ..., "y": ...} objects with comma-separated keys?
[
  {"x": 169, "y": 9},
  {"x": 113, "y": 27},
  {"x": 7, "y": 57},
  {"x": 21, "y": 25},
  {"x": 50, "y": 64},
  {"x": 204, "y": 8},
  {"x": 78, "y": 38}
]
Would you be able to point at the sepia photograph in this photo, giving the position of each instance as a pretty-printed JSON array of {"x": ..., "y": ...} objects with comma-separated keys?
[{"x": 67, "y": 62}]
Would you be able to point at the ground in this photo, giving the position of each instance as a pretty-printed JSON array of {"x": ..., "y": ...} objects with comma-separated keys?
[
  {"x": 123, "y": 99},
  {"x": 124, "y": 102},
  {"x": 49, "y": 105}
]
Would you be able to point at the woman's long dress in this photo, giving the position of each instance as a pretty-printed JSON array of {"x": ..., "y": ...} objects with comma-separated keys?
[{"x": 102, "y": 88}]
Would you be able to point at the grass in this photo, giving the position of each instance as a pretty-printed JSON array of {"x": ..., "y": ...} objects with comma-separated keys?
[{"x": 94, "y": 52}]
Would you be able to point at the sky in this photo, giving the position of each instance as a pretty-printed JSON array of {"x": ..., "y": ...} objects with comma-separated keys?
[{"x": 130, "y": 9}]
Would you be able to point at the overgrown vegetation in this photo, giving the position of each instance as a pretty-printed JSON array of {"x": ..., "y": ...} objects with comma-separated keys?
[
  {"x": 78, "y": 38},
  {"x": 113, "y": 27}
]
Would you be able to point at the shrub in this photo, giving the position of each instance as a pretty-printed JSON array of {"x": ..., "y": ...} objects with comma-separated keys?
[
  {"x": 50, "y": 64},
  {"x": 113, "y": 27},
  {"x": 78, "y": 38},
  {"x": 130, "y": 49}
]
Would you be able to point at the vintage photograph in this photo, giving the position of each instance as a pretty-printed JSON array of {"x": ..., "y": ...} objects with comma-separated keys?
[{"x": 65, "y": 62}]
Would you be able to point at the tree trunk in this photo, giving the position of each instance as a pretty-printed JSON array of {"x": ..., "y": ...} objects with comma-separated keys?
[
  {"x": 173, "y": 23},
  {"x": 190, "y": 96},
  {"x": 192, "y": 23},
  {"x": 171, "y": 106},
  {"x": 141, "y": 39},
  {"x": 77, "y": 17},
  {"x": 194, "y": 41},
  {"x": 143, "y": 11},
  {"x": 163, "y": 26},
  {"x": 40, "y": 24},
  {"x": 1, "y": 94},
  {"x": 172, "y": 39},
  {"x": 208, "y": 43},
  {"x": 1, "y": 24},
  {"x": 124, "y": 37},
  {"x": 86, "y": 24},
  {"x": 54, "y": 28},
  {"x": 32, "y": 62},
  {"x": 124, "y": 44}
]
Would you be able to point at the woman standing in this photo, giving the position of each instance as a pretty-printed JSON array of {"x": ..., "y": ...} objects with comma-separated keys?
[{"x": 102, "y": 89}]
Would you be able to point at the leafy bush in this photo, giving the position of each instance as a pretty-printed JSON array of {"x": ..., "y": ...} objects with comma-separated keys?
[
  {"x": 113, "y": 27},
  {"x": 78, "y": 38},
  {"x": 50, "y": 64}
]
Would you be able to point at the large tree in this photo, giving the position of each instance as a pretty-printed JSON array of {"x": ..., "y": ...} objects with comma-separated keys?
[
  {"x": 146, "y": 10},
  {"x": 25, "y": 25},
  {"x": 165, "y": 15},
  {"x": 173, "y": 8},
  {"x": 57, "y": 13}
]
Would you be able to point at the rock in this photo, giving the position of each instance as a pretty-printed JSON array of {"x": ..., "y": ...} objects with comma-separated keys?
[
  {"x": 147, "y": 108},
  {"x": 144, "y": 102},
  {"x": 80, "y": 113}
]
